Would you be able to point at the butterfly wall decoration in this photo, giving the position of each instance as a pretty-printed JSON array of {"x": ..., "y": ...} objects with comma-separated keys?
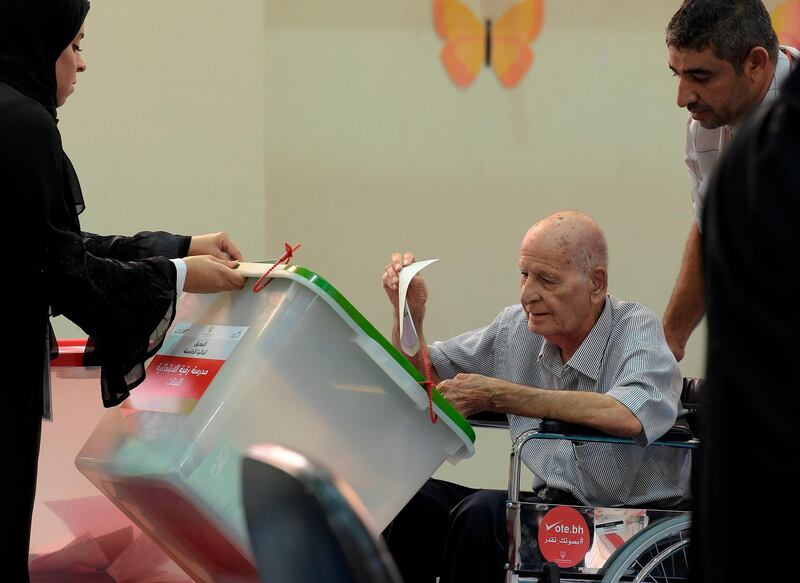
[
  {"x": 786, "y": 22},
  {"x": 502, "y": 45}
]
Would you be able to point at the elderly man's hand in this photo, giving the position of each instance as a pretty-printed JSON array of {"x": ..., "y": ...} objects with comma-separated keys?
[
  {"x": 219, "y": 245},
  {"x": 470, "y": 393},
  {"x": 417, "y": 293}
]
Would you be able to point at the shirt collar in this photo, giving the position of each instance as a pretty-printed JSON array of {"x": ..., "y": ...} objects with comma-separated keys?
[{"x": 588, "y": 357}]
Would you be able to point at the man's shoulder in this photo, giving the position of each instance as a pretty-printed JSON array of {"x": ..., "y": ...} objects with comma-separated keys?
[
  {"x": 630, "y": 316},
  {"x": 636, "y": 331}
]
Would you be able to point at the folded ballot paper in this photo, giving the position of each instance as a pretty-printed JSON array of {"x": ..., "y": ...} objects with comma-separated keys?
[
  {"x": 105, "y": 547},
  {"x": 249, "y": 269},
  {"x": 409, "y": 340}
]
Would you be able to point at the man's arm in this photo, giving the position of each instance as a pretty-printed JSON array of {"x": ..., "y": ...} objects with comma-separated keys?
[
  {"x": 686, "y": 306},
  {"x": 470, "y": 393}
]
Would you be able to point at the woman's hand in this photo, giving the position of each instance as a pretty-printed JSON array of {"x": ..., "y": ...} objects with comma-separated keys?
[
  {"x": 208, "y": 274},
  {"x": 219, "y": 245}
]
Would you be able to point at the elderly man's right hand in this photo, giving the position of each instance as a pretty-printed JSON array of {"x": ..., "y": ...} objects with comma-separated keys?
[
  {"x": 209, "y": 274},
  {"x": 417, "y": 293}
]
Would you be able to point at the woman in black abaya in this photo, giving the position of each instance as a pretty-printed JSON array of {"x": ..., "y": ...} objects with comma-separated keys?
[{"x": 120, "y": 290}]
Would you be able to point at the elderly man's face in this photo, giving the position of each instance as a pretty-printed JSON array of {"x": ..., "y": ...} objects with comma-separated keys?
[
  {"x": 709, "y": 87},
  {"x": 558, "y": 297}
]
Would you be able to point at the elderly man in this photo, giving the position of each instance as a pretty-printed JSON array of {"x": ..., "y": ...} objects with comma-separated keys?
[
  {"x": 570, "y": 352},
  {"x": 726, "y": 57}
]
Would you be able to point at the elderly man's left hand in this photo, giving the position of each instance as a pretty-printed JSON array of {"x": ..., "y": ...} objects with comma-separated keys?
[
  {"x": 471, "y": 393},
  {"x": 219, "y": 245}
]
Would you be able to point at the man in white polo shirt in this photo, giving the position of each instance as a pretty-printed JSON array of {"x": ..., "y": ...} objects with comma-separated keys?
[{"x": 726, "y": 57}]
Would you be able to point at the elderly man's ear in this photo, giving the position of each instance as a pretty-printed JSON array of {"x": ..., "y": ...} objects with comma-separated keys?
[{"x": 599, "y": 281}]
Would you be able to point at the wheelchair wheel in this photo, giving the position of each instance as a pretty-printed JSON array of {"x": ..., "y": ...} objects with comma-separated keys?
[{"x": 657, "y": 554}]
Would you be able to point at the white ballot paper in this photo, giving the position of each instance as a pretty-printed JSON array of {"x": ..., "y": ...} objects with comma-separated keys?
[
  {"x": 409, "y": 341},
  {"x": 256, "y": 269}
]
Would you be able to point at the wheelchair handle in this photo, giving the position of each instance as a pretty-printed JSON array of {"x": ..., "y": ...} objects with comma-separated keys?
[
  {"x": 515, "y": 463},
  {"x": 513, "y": 505}
]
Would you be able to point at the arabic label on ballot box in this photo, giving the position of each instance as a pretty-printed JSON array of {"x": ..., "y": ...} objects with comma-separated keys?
[
  {"x": 183, "y": 369},
  {"x": 564, "y": 536}
]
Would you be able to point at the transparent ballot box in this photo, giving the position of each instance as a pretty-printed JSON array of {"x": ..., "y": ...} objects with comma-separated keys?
[{"x": 294, "y": 364}]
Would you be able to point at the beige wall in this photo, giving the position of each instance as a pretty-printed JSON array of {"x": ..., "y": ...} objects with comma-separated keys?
[
  {"x": 334, "y": 124},
  {"x": 371, "y": 148},
  {"x": 166, "y": 126},
  {"x": 166, "y": 132}
]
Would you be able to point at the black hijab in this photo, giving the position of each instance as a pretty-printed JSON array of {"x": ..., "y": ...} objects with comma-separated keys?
[{"x": 33, "y": 33}]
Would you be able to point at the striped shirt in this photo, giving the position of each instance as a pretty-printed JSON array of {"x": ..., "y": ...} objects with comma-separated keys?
[
  {"x": 624, "y": 356},
  {"x": 704, "y": 147}
]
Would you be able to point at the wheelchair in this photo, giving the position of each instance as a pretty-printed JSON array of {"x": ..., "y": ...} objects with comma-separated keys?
[
  {"x": 293, "y": 503},
  {"x": 611, "y": 545}
]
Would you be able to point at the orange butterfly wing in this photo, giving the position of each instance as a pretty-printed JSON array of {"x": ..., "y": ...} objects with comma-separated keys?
[
  {"x": 511, "y": 35},
  {"x": 464, "y": 52}
]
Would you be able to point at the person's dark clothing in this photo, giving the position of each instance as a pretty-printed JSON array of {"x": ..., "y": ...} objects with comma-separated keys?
[
  {"x": 750, "y": 441},
  {"x": 454, "y": 532},
  {"x": 119, "y": 290}
]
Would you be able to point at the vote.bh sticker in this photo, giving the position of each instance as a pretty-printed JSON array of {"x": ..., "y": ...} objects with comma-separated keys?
[{"x": 563, "y": 536}]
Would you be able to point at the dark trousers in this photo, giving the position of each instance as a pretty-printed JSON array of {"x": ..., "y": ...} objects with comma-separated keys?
[
  {"x": 454, "y": 532},
  {"x": 450, "y": 531}
]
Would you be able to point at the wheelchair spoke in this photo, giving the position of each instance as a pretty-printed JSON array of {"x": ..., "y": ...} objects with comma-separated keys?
[
  {"x": 657, "y": 556},
  {"x": 662, "y": 568}
]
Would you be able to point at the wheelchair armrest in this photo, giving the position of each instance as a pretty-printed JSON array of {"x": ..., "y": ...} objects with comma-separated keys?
[
  {"x": 678, "y": 432},
  {"x": 564, "y": 428},
  {"x": 489, "y": 419},
  {"x": 681, "y": 431}
]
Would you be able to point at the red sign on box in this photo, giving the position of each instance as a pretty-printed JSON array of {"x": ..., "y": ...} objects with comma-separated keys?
[
  {"x": 180, "y": 376},
  {"x": 564, "y": 536},
  {"x": 184, "y": 368}
]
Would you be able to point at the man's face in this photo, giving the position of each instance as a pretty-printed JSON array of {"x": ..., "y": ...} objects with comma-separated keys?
[
  {"x": 555, "y": 293},
  {"x": 710, "y": 88}
]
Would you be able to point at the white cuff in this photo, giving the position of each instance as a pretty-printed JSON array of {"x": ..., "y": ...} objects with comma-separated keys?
[{"x": 180, "y": 268}]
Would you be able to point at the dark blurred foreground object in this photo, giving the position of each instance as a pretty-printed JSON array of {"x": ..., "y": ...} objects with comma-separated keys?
[
  {"x": 750, "y": 447},
  {"x": 305, "y": 525}
]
